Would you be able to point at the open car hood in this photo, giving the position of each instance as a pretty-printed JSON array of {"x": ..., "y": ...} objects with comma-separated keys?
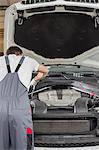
[{"x": 54, "y": 35}]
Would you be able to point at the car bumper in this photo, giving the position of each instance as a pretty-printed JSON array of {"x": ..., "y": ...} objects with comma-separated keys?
[{"x": 75, "y": 148}]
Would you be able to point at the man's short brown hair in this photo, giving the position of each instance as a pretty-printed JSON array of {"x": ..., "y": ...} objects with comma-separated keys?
[
  {"x": 1, "y": 53},
  {"x": 14, "y": 50}
]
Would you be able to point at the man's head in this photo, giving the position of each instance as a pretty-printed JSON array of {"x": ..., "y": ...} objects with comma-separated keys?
[
  {"x": 14, "y": 50},
  {"x": 1, "y": 53}
]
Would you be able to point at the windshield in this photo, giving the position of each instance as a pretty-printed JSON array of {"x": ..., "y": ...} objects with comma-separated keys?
[
  {"x": 57, "y": 35},
  {"x": 75, "y": 70}
]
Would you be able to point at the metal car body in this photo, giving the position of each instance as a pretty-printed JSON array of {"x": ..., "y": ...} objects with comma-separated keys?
[{"x": 63, "y": 35}]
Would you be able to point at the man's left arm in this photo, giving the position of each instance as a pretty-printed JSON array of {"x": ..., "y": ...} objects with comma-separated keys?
[{"x": 41, "y": 73}]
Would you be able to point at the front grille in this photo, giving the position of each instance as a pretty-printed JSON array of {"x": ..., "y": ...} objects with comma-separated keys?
[{"x": 36, "y": 1}]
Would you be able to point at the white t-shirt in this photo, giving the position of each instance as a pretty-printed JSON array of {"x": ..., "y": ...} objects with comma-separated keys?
[{"x": 25, "y": 71}]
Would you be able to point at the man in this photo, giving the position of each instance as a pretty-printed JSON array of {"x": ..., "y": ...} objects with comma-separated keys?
[{"x": 16, "y": 131}]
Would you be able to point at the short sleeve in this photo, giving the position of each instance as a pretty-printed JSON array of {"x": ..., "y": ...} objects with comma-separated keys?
[{"x": 35, "y": 64}]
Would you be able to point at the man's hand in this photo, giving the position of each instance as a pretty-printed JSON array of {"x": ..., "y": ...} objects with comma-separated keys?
[{"x": 33, "y": 84}]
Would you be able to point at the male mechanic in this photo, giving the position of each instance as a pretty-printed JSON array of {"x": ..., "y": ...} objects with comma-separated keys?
[{"x": 16, "y": 131}]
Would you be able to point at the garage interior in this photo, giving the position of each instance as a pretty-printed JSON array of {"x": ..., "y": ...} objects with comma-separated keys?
[{"x": 3, "y": 6}]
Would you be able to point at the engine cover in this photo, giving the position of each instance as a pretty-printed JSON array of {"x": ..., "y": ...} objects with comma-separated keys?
[{"x": 59, "y": 97}]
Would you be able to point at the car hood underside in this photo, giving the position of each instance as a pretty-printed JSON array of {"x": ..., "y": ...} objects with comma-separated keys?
[{"x": 57, "y": 35}]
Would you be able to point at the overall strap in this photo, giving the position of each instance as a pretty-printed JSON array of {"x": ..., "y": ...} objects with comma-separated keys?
[
  {"x": 7, "y": 64},
  {"x": 19, "y": 64}
]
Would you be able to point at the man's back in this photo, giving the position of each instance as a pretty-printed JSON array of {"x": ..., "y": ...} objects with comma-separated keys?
[{"x": 29, "y": 65}]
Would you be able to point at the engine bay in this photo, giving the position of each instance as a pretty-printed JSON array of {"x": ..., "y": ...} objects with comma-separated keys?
[{"x": 66, "y": 92}]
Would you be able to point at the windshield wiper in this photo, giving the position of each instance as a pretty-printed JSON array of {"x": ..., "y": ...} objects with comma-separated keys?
[{"x": 57, "y": 65}]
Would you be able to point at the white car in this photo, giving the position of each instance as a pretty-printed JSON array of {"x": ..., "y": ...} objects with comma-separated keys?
[{"x": 63, "y": 35}]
